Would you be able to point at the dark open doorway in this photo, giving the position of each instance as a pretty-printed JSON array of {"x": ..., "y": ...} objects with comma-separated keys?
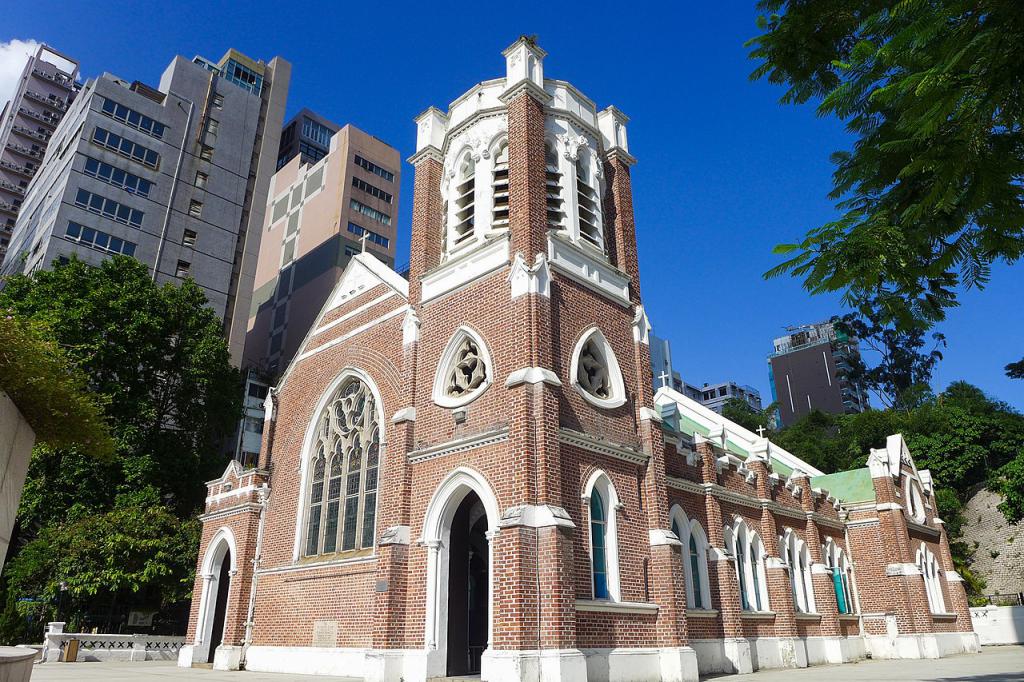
[
  {"x": 221, "y": 605},
  {"x": 468, "y": 587}
]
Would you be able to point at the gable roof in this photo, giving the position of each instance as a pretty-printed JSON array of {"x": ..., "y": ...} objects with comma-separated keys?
[
  {"x": 695, "y": 418},
  {"x": 362, "y": 273}
]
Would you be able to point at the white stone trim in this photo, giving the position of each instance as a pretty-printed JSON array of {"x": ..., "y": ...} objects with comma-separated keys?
[
  {"x": 355, "y": 311},
  {"x": 618, "y": 387},
  {"x": 394, "y": 535},
  {"x": 532, "y": 375},
  {"x": 410, "y": 328},
  {"x": 458, "y": 445},
  {"x": 660, "y": 536},
  {"x": 485, "y": 258},
  {"x": 406, "y": 414},
  {"x": 605, "y": 606},
  {"x": 355, "y": 332},
  {"x": 641, "y": 327},
  {"x": 902, "y": 569},
  {"x": 536, "y": 516},
  {"x": 577, "y": 264},
  {"x": 524, "y": 279},
  {"x": 889, "y": 506},
  {"x": 306, "y": 660},
  {"x": 586, "y": 441},
  {"x": 647, "y": 414}
]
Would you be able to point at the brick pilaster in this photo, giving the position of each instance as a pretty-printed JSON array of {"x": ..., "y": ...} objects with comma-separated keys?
[
  {"x": 527, "y": 215},
  {"x": 425, "y": 245},
  {"x": 618, "y": 212},
  {"x": 954, "y": 588}
]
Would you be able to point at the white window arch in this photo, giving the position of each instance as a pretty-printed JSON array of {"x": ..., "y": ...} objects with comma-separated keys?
[
  {"x": 464, "y": 370},
  {"x": 915, "y": 499},
  {"x": 462, "y": 203},
  {"x": 840, "y": 571},
  {"x": 601, "y": 505},
  {"x": 341, "y": 463},
  {"x": 929, "y": 566},
  {"x": 695, "y": 558},
  {"x": 748, "y": 552},
  {"x": 798, "y": 557},
  {"x": 595, "y": 372}
]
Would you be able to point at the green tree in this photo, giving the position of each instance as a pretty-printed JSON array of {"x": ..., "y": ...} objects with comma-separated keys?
[
  {"x": 931, "y": 191},
  {"x": 156, "y": 357},
  {"x": 740, "y": 411}
]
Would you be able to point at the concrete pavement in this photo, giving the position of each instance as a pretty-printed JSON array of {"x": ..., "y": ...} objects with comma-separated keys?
[{"x": 994, "y": 664}]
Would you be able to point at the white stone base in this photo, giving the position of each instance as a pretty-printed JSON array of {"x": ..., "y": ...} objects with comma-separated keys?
[
  {"x": 667, "y": 664},
  {"x": 928, "y": 645},
  {"x": 227, "y": 657},
  {"x": 185, "y": 655},
  {"x": 307, "y": 660},
  {"x": 834, "y": 650},
  {"x": 395, "y": 665},
  {"x": 745, "y": 655}
]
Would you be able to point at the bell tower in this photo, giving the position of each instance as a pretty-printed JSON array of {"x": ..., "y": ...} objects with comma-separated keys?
[{"x": 526, "y": 341}]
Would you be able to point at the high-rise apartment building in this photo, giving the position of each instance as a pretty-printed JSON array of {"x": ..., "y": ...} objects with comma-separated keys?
[
  {"x": 45, "y": 91},
  {"x": 808, "y": 370},
  {"x": 175, "y": 176},
  {"x": 715, "y": 396},
  {"x": 712, "y": 396},
  {"x": 308, "y": 136},
  {"x": 318, "y": 216}
]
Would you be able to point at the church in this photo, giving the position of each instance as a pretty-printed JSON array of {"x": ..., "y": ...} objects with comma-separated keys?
[{"x": 464, "y": 472}]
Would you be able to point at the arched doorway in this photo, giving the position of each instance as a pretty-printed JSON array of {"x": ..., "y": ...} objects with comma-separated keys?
[
  {"x": 218, "y": 568},
  {"x": 460, "y": 522},
  {"x": 223, "y": 586},
  {"x": 468, "y": 587}
]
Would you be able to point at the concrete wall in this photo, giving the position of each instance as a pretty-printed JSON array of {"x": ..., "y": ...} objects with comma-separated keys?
[
  {"x": 999, "y": 624},
  {"x": 16, "y": 441}
]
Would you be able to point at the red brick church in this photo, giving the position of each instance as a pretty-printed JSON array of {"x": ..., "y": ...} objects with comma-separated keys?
[{"x": 464, "y": 472}]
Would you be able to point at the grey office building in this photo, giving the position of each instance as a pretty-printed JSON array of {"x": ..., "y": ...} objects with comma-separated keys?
[
  {"x": 45, "y": 91},
  {"x": 809, "y": 370},
  {"x": 175, "y": 176},
  {"x": 307, "y": 135}
]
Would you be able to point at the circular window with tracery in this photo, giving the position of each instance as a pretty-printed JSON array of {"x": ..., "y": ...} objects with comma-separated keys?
[{"x": 342, "y": 506}]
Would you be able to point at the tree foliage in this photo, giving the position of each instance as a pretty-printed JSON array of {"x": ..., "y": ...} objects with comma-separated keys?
[
  {"x": 48, "y": 390},
  {"x": 931, "y": 192},
  {"x": 157, "y": 358}
]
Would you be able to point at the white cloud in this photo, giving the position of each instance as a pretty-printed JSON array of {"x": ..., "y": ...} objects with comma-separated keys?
[{"x": 13, "y": 56}]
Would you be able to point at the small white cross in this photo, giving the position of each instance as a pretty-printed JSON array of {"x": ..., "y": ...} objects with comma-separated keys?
[
  {"x": 362, "y": 240},
  {"x": 760, "y": 431},
  {"x": 664, "y": 378}
]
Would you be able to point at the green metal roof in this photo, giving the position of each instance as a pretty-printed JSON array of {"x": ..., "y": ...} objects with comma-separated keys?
[
  {"x": 780, "y": 468},
  {"x": 849, "y": 486}
]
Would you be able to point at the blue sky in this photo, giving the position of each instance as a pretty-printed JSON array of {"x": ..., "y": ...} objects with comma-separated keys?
[{"x": 724, "y": 171}]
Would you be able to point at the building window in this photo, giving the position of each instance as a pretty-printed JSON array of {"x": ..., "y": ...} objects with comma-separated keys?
[
  {"x": 280, "y": 209},
  {"x": 218, "y": 100},
  {"x": 499, "y": 189},
  {"x": 371, "y": 236},
  {"x": 126, "y": 148},
  {"x": 464, "y": 371},
  {"x": 915, "y": 500},
  {"x": 695, "y": 559},
  {"x": 839, "y": 568},
  {"x": 371, "y": 190},
  {"x": 96, "y": 239},
  {"x": 195, "y": 208},
  {"x": 797, "y": 556},
  {"x": 117, "y": 177},
  {"x": 254, "y": 424},
  {"x": 342, "y": 506},
  {"x": 587, "y": 203},
  {"x": 374, "y": 168},
  {"x": 132, "y": 118},
  {"x": 188, "y": 239},
  {"x": 748, "y": 551},
  {"x": 108, "y": 208},
  {"x": 369, "y": 212},
  {"x": 201, "y": 179},
  {"x": 205, "y": 152},
  {"x": 183, "y": 269},
  {"x": 553, "y": 188},
  {"x": 317, "y": 132},
  {"x": 595, "y": 371},
  {"x": 601, "y": 502},
  {"x": 212, "y": 126},
  {"x": 929, "y": 567}
]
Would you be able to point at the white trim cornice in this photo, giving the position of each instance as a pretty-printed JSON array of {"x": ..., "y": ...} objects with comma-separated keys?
[
  {"x": 599, "y": 605},
  {"x": 535, "y": 516},
  {"x": 532, "y": 375},
  {"x": 588, "y": 442},
  {"x": 458, "y": 445}
]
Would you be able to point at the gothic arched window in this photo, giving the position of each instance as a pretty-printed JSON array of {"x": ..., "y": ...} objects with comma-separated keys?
[
  {"x": 342, "y": 507},
  {"x": 462, "y": 203},
  {"x": 839, "y": 569},
  {"x": 499, "y": 189},
  {"x": 695, "y": 559},
  {"x": 929, "y": 567},
  {"x": 595, "y": 371},
  {"x": 601, "y": 503},
  {"x": 798, "y": 558},
  {"x": 748, "y": 552},
  {"x": 464, "y": 370}
]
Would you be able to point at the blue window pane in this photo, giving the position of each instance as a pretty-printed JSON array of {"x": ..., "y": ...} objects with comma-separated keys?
[
  {"x": 116, "y": 244},
  {"x": 88, "y": 234},
  {"x": 102, "y": 239},
  {"x": 129, "y": 249},
  {"x": 74, "y": 230},
  {"x": 600, "y": 586},
  {"x": 91, "y": 166}
]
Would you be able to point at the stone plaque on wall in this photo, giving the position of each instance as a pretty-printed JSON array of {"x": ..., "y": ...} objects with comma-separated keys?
[{"x": 325, "y": 633}]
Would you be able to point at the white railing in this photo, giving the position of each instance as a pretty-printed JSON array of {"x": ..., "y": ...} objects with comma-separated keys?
[{"x": 94, "y": 647}]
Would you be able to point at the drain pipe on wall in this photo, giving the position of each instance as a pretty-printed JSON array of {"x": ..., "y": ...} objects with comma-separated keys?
[
  {"x": 174, "y": 182},
  {"x": 264, "y": 497}
]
